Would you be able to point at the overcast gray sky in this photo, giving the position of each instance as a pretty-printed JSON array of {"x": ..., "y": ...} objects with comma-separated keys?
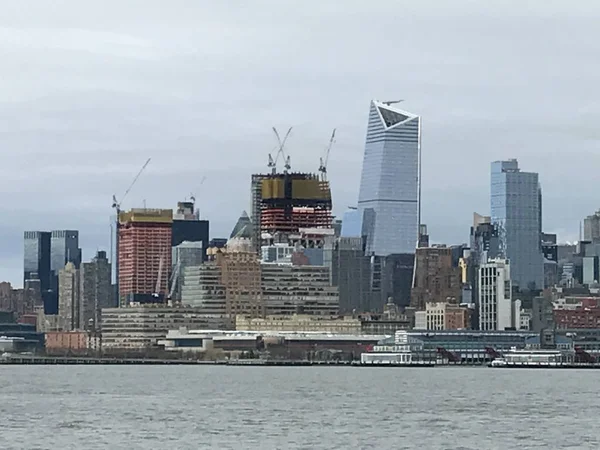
[{"x": 90, "y": 90}]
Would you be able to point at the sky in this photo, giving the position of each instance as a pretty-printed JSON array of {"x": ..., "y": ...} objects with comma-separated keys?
[{"x": 90, "y": 90}]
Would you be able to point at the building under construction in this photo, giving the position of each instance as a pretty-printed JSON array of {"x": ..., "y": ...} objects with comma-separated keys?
[
  {"x": 144, "y": 255},
  {"x": 283, "y": 203}
]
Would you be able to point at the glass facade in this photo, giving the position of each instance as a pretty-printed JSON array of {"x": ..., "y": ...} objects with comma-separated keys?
[
  {"x": 516, "y": 210},
  {"x": 36, "y": 260},
  {"x": 389, "y": 193}
]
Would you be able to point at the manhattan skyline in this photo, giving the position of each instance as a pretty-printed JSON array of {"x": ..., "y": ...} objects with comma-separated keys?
[{"x": 123, "y": 83}]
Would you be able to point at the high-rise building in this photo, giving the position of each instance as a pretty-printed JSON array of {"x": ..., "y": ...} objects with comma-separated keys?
[
  {"x": 495, "y": 295},
  {"x": 241, "y": 277},
  {"x": 96, "y": 289},
  {"x": 144, "y": 255},
  {"x": 516, "y": 211},
  {"x": 389, "y": 196},
  {"x": 436, "y": 279},
  {"x": 351, "y": 273},
  {"x": 36, "y": 265},
  {"x": 289, "y": 202},
  {"x": 188, "y": 227},
  {"x": 64, "y": 248},
  {"x": 351, "y": 223},
  {"x": 591, "y": 227},
  {"x": 69, "y": 298}
]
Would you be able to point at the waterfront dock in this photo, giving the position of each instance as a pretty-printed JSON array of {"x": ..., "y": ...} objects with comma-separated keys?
[{"x": 70, "y": 360}]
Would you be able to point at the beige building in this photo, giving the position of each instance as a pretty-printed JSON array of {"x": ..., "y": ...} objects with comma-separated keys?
[
  {"x": 436, "y": 279},
  {"x": 241, "y": 277},
  {"x": 442, "y": 316},
  {"x": 69, "y": 298},
  {"x": 300, "y": 323},
  {"x": 139, "y": 328}
]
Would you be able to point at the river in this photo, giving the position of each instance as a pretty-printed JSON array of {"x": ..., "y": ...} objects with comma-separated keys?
[{"x": 200, "y": 407}]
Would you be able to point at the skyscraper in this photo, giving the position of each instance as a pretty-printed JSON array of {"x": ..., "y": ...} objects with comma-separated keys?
[
  {"x": 36, "y": 264},
  {"x": 516, "y": 211},
  {"x": 495, "y": 295},
  {"x": 96, "y": 288},
  {"x": 389, "y": 196},
  {"x": 69, "y": 298},
  {"x": 144, "y": 254},
  {"x": 591, "y": 227},
  {"x": 64, "y": 245},
  {"x": 188, "y": 227},
  {"x": 64, "y": 248}
]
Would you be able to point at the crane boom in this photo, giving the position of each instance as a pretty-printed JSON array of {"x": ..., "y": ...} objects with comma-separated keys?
[
  {"x": 136, "y": 178},
  {"x": 325, "y": 159},
  {"x": 158, "y": 279},
  {"x": 280, "y": 149}
]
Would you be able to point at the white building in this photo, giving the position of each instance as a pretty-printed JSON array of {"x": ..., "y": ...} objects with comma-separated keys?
[{"x": 495, "y": 295}]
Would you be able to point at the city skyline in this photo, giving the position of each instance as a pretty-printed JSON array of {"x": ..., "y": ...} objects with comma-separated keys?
[{"x": 482, "y": 96}]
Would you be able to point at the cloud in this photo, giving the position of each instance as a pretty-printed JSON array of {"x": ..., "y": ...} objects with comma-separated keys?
[{"x": 90, "y": 91}]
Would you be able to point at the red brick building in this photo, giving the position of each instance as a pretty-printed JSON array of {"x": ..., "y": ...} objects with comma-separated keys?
[
  {"x": 144, "y": 252},
  {"x": 577, "y": 318}
]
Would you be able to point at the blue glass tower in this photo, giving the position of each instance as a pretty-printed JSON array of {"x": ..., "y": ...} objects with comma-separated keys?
[
  {"x": 516, "y": 210},
  {"x": 390, "y": 187}
]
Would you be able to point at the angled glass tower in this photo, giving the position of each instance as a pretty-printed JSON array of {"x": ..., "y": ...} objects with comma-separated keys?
[
  {"x": 390, "y": 186},
  {"x": 516, "y": 210}
]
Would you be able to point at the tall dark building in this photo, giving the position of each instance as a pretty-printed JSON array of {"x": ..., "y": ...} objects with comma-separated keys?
[
  {"x": 188, "y": 227},
  {"x": 36, "y": 262},
  {"x": 351, "y": 273}
]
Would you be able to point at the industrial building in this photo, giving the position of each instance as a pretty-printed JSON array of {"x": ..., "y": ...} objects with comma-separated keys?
[
  {"x": 144, "y": 243},
  {"x": 140, "y": 328}
]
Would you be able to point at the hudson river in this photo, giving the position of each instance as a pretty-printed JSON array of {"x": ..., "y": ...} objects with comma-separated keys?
[{"x": 183, "y": 407}]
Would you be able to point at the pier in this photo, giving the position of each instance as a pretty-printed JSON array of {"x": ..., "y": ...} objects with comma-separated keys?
[{"x": 70, "y": 360}]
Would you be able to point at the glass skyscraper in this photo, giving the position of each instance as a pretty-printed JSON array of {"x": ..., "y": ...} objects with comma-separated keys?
[
  {"x": 389, "y": 196},
  {"x": 36, "y": 261},
  {"x": 516, "y": 210}
]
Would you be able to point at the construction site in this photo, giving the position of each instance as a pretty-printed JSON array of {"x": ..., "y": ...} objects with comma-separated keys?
[{"x": 285, "y": 202}]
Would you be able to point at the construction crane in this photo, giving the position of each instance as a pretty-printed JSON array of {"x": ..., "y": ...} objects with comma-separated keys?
[
  {"x": 161, "y": 263},
  {"x": 280, "y": 151},
  {"x": 116, "y": 204},
  {"x": 174, "y": 278},
  {"x": 323, "y": 160}
]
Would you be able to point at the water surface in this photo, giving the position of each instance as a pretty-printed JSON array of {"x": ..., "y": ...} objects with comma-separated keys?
[{"x": 200, "y": 407}]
